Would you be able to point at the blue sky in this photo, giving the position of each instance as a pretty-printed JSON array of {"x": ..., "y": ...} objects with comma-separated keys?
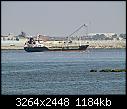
[{"x": 61, "y": 18}]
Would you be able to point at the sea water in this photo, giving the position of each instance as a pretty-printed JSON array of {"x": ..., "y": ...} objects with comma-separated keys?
[{"x": 62, "y": 73}]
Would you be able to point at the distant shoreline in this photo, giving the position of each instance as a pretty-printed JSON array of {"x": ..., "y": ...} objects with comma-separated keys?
[
  {"x": 92, "y": 44},
  {"x": 85, "y": 50}
]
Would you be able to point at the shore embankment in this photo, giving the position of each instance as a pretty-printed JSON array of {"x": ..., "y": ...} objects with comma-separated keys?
[{"x": 91, "y": 43}]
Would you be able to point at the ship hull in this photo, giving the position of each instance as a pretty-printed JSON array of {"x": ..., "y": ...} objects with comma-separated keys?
[
  {"x": 41, "y": 49},
  {"x": 35, "y": 49},
  {"x": 70, "y": 48}
]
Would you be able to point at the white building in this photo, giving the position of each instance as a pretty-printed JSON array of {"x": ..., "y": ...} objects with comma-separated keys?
[{"x": 106, "y": 34}]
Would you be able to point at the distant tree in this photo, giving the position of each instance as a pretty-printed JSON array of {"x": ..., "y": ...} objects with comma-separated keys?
[
  {"x": 108, "y": 38},
  {"x": 99, "y": 37},
  {"x": 22, "y": 34},
  {"x": 114, "y": 36},
  {"x": 17, "y": 38},
  {"x": 102, "y": 37},
  {"x": 122, "y": 36}
]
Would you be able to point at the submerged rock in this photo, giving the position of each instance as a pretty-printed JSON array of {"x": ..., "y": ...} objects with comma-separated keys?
[
  {"x": 109, "y": 70},
  {"x": 93, "y": 70},
  {"x": 113, "y": 70},
  {"x": 105, "y": 70},
  {"x": 119, "y": 70}
]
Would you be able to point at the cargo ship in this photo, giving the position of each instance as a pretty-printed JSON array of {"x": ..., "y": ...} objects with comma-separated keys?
[{"x": 35, "y": 45}]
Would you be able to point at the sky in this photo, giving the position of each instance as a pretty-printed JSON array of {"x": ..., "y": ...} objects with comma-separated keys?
[{"x": 61, "y": 18}]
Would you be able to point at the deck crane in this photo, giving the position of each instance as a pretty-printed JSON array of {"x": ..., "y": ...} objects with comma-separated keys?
[{"x": 84, "y": 25}]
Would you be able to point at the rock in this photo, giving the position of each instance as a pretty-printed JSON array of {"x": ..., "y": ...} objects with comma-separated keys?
[
  {"x": 93, "y": 70},
  {"x": 105, "y": 70},
  {"x": 113, "y": 70},
  {"x": 118, "y": 70}
]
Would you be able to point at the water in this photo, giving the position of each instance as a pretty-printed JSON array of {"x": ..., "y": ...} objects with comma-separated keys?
[{"x": 62, "y": 73}]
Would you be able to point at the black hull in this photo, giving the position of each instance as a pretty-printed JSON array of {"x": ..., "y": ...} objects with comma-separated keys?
[
  {"x": 35, "y": 49},
  {"x": 41, "y": 49}
]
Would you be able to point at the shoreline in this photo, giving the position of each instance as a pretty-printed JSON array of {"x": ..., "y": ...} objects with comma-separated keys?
[
  {"x": 102, "y": 44},
  {"x": 84, "y": 50}
]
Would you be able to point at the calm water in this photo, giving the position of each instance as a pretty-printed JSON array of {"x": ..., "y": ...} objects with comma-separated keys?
[{"x": 59, "y": 73}]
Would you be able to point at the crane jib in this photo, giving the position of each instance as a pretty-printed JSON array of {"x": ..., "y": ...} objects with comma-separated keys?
[{"x": 77, "y": 30}]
